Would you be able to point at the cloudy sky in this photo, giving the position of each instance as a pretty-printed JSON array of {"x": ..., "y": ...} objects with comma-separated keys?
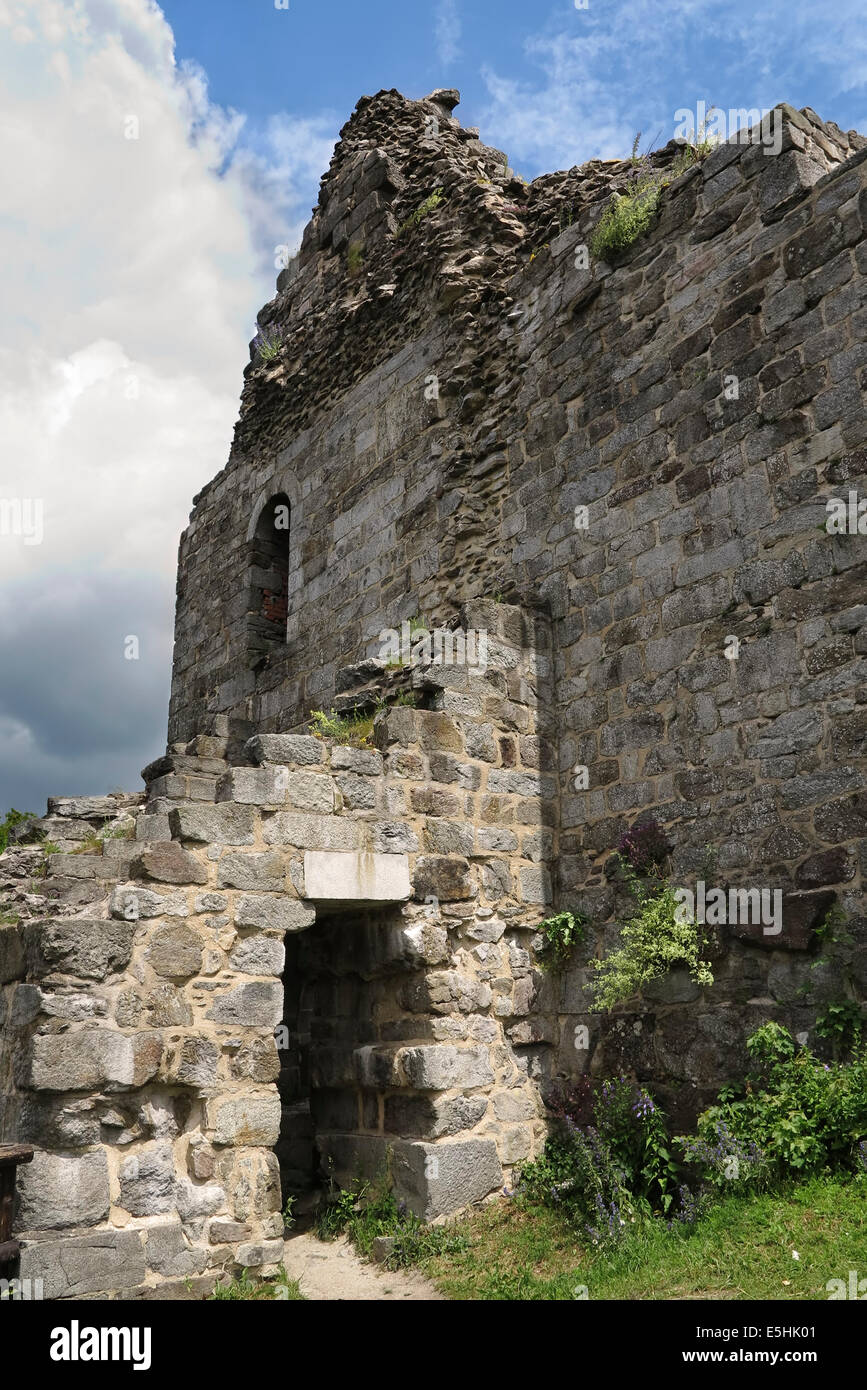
[{"x": 155, "y": 157}]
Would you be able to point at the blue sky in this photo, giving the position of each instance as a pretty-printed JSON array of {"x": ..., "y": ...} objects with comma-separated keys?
[
  {"x": 132, "y": 265},
  {"x": 562, "y": 83}
]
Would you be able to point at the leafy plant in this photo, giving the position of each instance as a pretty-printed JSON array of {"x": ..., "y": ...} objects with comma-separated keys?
[
  {"x": 841, "y": 1022},
  {"x": 243, "y": 1288},
  {"x": 561, "y": 934},
  {"x": 794, "y": 1115},
  {"x": 288, "y": 1218},
  {"x": 93, "y": 844},
  {"x": 351, "y": 728},
  {"x": 629, "y": 215},
  {"x": 268, "y": 344},
  {"x": 652, "y": 941},
  {"x": 368, "y": 1210},
  {"x": 355, "y": 258}
]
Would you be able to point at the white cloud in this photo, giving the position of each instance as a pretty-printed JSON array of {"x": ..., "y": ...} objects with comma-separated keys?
[
  {"x": 131, "y": 272},
  {"x": 447, "y": 29}
]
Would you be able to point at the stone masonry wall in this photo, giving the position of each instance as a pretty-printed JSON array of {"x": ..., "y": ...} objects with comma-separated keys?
[
  {"x": 140, "y": 1037},
  {"x": 701, "y": 398}
]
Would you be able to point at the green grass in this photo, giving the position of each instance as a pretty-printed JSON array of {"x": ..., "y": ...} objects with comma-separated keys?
[
  {"x": 354, "y": 729},
  {"x": 243, "y": 1289},
  {"x": 367, "y": 1210},
  {"x": 741, "y": 1250}
]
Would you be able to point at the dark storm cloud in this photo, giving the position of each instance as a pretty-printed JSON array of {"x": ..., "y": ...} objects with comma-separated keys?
[{"x": 77, "y": 716}]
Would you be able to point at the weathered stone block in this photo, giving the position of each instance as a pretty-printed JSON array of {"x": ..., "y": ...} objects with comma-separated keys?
[
  {"x": 192, "y": 1061},
  {"x": 169, "y": 1251},
  {"x": 446, "y": 878},
  {"x": 276, "y": 913},
  {"x": 168, "y": 863},
  {"x": 224, "y": 824},
  {"x": 262, "y": 872},
  {"x": 253, "y": 1006},
  {"x": 258, "y": 955},
  {"x": 90, "y": 1059},
  {"x": 365, "y": 762},
  {"x": 293, "y": 750},
  {"x": 147, "y": 1180},
  {"x": 437, "y": 1179},
  {"x": 175, "y": 951},
  {"x": 56, "y": 1191},
  {"x": 250, "y": 1120},
  {"x": 85, "y": 947},
  {"x": 135, "y": 904},
  {"x": 104, "y": 1262},
  {"x": 311, "y": 832},
  {"x": 440, "y": 1067}
]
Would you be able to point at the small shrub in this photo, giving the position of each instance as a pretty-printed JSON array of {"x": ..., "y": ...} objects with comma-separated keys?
[
  {"x": 841, "y": 1022},
  {"x": 653, "y": 941},
  {"x": 795, "y": 1115},
  {"x": 561, "y": 934},
  {"x": 577, "y": 1175},
  {"x": 355, "y": 258},
  {"x": 368, "y": 1210},
  {"x": 629, "y": 215},
  {"x": 626, "y": 217}
]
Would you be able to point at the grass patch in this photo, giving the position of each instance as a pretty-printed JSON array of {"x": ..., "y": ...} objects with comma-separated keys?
[
  {"x": 354, "y": 729},
  {"x": 243, "y": 1289},
  {"x": 368, "y": 1210},
  {"x": 742, "y": 1249}
]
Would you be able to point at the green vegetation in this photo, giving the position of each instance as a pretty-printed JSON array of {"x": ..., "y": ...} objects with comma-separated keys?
[
  {"x": 767, "y": 1200},
  {"x": 355, "y": 258},
  {"x": 742, "y": 1248},
  {"x": 659, "y": 935},
  {"x": 561, "y": 934},
  {"x": 627, "y": 216},
  {"x": 354, "y": 729},
  {"x": 423, "y": 210},
  {"x": 244, "y": 1289},
  {"x": 652, "y": 942},
  {"x": 268, "y": 346},
  {"x": 794, "y": 1115},
  {"x": 93, "y": 844},
  {"x": 10, "y": 820},
  {"x": 368, "y": 1210}
]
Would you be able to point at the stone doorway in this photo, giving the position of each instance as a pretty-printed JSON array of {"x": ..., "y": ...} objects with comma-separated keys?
[{"x": 346, "y": 983}]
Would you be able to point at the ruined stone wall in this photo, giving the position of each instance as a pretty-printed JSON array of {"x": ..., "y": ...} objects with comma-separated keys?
[
  {"x": 700, "y": 398},
  {"x": 142, "y": 1028},
  {"x": 636, "y": 457}
]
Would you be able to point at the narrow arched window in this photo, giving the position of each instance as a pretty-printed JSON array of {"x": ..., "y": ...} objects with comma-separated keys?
[{"x": 269, "y": 580}]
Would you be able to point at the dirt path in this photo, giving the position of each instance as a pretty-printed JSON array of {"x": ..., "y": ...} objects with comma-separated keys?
[{"x": 332, "y": 1270}]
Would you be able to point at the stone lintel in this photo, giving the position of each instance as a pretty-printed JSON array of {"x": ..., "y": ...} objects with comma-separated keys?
[{"x": 337, "y": 876}]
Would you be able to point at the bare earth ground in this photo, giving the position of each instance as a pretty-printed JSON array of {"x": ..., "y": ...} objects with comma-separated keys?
[{"x": 333, "y": 1270}]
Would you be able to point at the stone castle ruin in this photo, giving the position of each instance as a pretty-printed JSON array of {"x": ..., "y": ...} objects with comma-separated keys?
[{"x": 296, "y": 956}]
